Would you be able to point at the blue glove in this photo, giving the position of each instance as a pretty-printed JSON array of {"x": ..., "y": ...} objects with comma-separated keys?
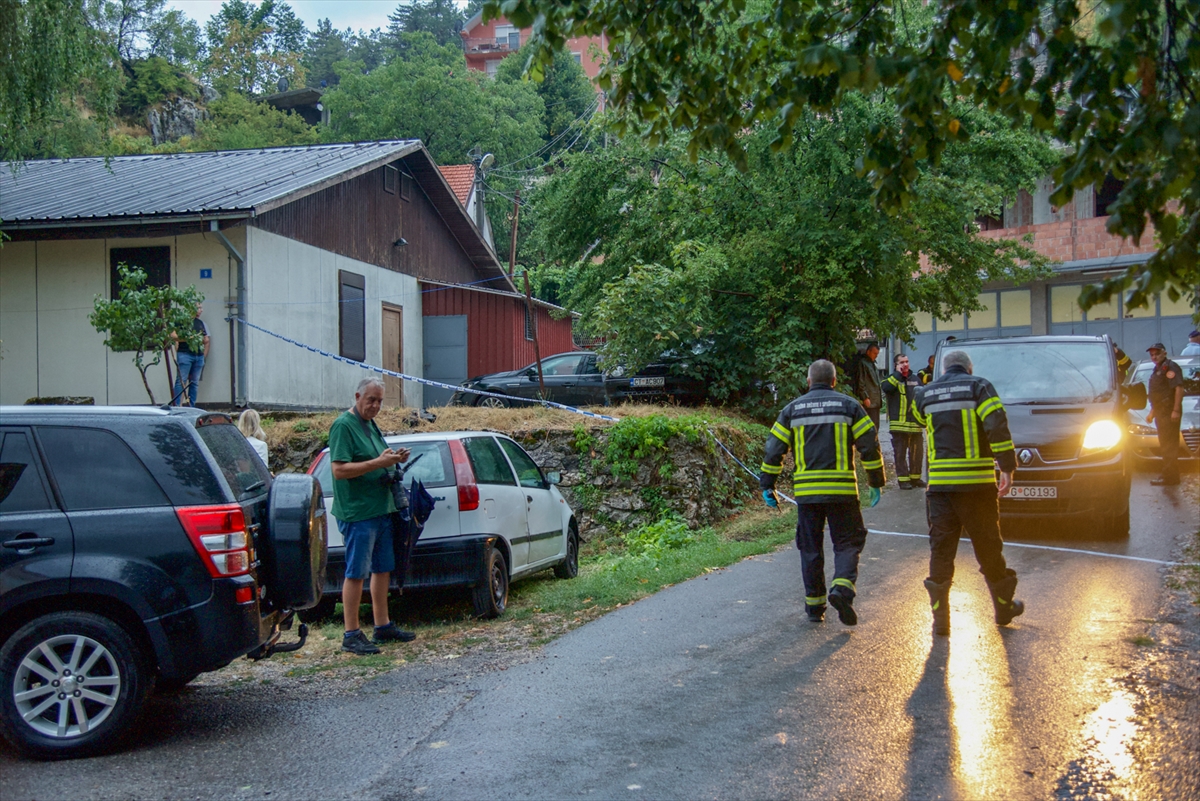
[
  {"x": 874, "y": 494},
  {"x": 769, "y": 497}
]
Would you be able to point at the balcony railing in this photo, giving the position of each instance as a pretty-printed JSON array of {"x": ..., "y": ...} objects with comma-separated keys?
[{"x": 494, "y": 44}]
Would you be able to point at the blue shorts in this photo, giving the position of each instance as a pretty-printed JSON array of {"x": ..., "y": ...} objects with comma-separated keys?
[{"x": 368, "y": 545}]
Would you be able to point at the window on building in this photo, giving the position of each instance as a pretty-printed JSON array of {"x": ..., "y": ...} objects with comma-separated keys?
[
  {"x": 985, "y": 317},
  {"x": 406, "y": 186},
  {"x": 923, "y": 321},
  {"x": 1106, "y": 194},
  {"x": 1130, "y": 313},
  {"x": 154, "y": 261},
  {"x": 954, "y": 322},
  {"x": 987, "y": 223},
  {"x": 1103, "y": 311},
  {"x": 578, "y": 57},
  {"x": 1015, "y": 308},
  {"x": 490, "y": 66},
  {"x": 1175, "y": 308},
  {"x": 1064, "y": 304},
  {"x": 352, "y": 315},
  {"x": 391, "y": 177},
  {"x": 504, "y": 34}
]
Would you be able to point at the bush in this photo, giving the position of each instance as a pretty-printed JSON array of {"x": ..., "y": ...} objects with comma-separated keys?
[{"x": 654, "y": 540}]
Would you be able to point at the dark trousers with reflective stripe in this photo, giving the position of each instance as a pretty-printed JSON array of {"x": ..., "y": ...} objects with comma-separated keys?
[
  {"x": 977, "y": 511},
  {"x": 907, "y": 446},
  {"x": 847, "y": 532}
]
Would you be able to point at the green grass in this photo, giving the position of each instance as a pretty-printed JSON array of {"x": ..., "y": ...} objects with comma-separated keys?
[{"x": 614, "y": 578}]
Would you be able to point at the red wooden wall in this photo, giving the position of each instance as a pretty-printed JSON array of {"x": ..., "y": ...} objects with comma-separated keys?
[{"x": 496, "y": 328}]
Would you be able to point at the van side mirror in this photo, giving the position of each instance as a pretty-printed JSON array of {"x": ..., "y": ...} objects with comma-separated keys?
[
  {"x": 554, "y": 477},
  {"x": 1134, "y": 396}
]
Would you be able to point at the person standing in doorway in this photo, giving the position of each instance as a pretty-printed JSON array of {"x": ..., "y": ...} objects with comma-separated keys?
[
  {"x": 818, "y": 427},
  {"x": 1166, "y": 412},
  {"x": 363, "y": 506},
  {"x": 900, "y": 388},
  {"x": 190, "y": 364},
  {"x": 968, "y": 436}
]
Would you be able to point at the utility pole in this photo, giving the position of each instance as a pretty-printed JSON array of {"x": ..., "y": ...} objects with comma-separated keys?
[
  {"x": 537, "y": 351},
  {"x": 512, "y": 250}
]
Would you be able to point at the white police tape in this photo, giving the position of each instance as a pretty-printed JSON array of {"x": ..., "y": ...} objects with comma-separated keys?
[{"x": 415, "y": 379}]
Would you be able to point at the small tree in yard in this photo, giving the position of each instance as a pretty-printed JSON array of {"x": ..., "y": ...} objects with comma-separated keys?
[{"x": 142, "y": 319}]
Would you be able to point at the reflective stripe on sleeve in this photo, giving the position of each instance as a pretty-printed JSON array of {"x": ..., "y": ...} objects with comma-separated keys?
[
  {"x": 781, "y": 433},
  {"x": 988, "y": 406},
  {"x": 1001, "y": 447},
  {"x": 861, "y": 427},
  {"x": 771, "y": 469}
]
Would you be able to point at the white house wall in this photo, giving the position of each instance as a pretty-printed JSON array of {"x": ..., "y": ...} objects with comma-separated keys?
[
  {"x": 293, "y": 290},
  {"x": 47, "y": 291}
]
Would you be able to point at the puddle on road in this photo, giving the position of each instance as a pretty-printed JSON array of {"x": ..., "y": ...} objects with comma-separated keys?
[{"x": 1107, "y": 768}]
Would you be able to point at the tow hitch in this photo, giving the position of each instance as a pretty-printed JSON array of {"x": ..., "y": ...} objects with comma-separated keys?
[{"x": 273, "y": 646}]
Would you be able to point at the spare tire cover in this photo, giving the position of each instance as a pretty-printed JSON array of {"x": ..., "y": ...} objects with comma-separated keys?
[{"x": 293, "y": 568}]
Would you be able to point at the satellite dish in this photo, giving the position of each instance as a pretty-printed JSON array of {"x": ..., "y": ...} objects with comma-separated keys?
[
  {"x": 283, "y": 84},
  {"x": 487, "y": 161}
]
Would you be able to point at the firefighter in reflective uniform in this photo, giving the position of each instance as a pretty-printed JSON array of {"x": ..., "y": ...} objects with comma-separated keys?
[
  {"x": 819, "y": 428},
  {"x": 925, "y": 374},
  {"x": 900, "y": 389},
  {"x": 966, "y": 432},
  {"x": 1123, "y": 363}
]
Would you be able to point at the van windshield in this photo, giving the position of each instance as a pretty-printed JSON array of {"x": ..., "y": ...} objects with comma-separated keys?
[{"x": 1044, "y": 372}]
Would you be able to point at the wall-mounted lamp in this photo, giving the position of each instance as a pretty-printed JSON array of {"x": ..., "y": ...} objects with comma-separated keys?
[{"x": 399, "y": 243}]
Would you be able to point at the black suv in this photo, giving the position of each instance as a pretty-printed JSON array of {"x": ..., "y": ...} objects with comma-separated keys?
[{"x": 139, "y": 547}]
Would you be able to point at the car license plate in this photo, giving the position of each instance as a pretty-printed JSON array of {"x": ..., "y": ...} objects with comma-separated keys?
[
  {"x": 1026, "y": 493},
  {"x": 647, "y": 381}
]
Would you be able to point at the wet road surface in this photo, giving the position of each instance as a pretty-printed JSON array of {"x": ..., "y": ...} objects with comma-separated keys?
[{"x": 720, "y": 688}]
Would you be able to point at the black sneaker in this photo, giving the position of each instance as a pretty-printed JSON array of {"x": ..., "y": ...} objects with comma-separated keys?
[
  {"x": 390, "y": 633},
  {"x": 355, "y": 642}
]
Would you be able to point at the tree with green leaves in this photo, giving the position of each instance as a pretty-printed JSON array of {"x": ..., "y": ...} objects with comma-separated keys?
[
  {"x": 325, "y": 48},
  {"x": 749, "y": 273},
  {"x": 252, "y": 47},
  {"x": 442, "y": 19},
  {"x": 1116, "y": 83},
  {"x": 51, "y": 57},
  {"x": 142, "y": 319},
  {"x": 564, "y": 88},
  {"x": 236, "y": 122},
  {"x": 429, "y": 94}
]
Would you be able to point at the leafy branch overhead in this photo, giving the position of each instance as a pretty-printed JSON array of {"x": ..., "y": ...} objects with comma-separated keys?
[
  {"x": 1116, "y": 83},
  {"x": 142, "y": 319}
]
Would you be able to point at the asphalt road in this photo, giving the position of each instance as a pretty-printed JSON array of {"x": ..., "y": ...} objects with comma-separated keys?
[{"x": 719, "y": 688}]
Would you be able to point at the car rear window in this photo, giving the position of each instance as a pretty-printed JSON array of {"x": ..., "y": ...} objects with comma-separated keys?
[
  {"x": 488, "y": 462},
  {"x": 95, "y": 469},
  {"x": 243, "y": 470},
  {"x": 1057, "y": 372}
]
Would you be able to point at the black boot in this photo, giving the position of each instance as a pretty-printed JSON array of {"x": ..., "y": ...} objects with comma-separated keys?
[
  {"x": 816, "y": 612},
  {"x": 939, "y": 602},
  {"x": 842, "y": 599},
  {"x": 1002, "y": 598}
]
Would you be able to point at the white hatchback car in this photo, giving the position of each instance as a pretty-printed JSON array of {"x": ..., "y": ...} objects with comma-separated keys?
[{"x": 497, "y": 517}]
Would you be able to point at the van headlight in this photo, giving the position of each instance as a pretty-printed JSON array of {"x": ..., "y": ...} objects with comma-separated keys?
[{"x": 1101, "y": 435}]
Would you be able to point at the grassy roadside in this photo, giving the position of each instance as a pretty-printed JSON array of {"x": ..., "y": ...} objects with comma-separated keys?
[{"x": 540, "y": 609}]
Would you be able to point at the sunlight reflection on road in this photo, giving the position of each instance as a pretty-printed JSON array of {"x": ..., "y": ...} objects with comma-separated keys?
[{"x": 980, "y": 695}]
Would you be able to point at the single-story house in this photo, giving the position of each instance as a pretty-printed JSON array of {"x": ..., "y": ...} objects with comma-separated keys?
[{"x": 334, "y": 246}]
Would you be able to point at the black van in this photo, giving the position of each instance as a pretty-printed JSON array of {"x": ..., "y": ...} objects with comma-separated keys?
[
  {"x": 139, "y": 547},
  {"x": 1067, "y": 411}
]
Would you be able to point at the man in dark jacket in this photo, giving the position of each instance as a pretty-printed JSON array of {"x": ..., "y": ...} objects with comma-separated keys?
[
  {"x": 925, "y": 374},
  {"x": 865, "y": 382},
  {"x": 900, "y": 388},
  {"x": 967, "y": 430},
  {"x": 1166, "y": 411},
  {"x": 818, "y": 428}
]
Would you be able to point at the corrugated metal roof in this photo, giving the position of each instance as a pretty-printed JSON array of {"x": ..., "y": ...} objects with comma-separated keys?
[
  {"x": 250, "y": 181},
  {"x": 460, "y": 177}
]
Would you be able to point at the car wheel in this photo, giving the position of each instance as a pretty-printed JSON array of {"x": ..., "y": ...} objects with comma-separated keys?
[
  {"x": 490, "y": 596},
  {"x": 568, "y": 568},
  {"x": 322, "y": 611},
  {"x": 492, "y": 403},
  {"x": 71, "y": 684}
]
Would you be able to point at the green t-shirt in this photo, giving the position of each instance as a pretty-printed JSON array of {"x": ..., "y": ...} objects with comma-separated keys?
[{"x": 352, "y": 439}]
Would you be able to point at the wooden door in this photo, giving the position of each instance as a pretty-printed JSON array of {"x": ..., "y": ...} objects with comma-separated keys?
[{"x": 393, "y": 355}]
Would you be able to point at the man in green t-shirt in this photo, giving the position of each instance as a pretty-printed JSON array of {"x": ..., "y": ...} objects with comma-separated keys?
[{"x": 363, "y": 506}]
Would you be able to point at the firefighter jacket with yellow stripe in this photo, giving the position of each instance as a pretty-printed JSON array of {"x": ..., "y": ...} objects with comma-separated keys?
[
  {"x": 900, "y": 391},
  {"x": 822, "y": 428},
  {"x": 966, "y": 431}
]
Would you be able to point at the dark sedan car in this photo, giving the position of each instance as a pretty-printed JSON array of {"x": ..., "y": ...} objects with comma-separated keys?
[{"x": 575, "y": 379}]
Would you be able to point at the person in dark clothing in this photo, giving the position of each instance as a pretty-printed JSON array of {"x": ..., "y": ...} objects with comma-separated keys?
[
  {"x": 191, "y": 365},
  {"x": 925, "y": 374},
  {"x": 818, "y": 428},
  {"x": 967, "y": 430},
  {"x": 900, "y": 388},
  {"x": 865, "y": 382},
  {"x": 1166, "y": 411}
]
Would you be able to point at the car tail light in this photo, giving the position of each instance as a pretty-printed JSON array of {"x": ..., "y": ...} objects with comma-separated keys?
[
  {"x": 219, "y": 536},
  {"x": 464, "y": 477},
  {"x": 312, "y": 468}
]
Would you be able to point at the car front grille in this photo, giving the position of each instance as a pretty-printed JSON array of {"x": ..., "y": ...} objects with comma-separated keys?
[
  {"x": 1192, "y": 438},
  {"x": 1061, "y": 451}
]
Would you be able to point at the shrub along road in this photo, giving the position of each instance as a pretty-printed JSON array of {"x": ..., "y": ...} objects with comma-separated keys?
[{"x": 718, "y": 687}]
